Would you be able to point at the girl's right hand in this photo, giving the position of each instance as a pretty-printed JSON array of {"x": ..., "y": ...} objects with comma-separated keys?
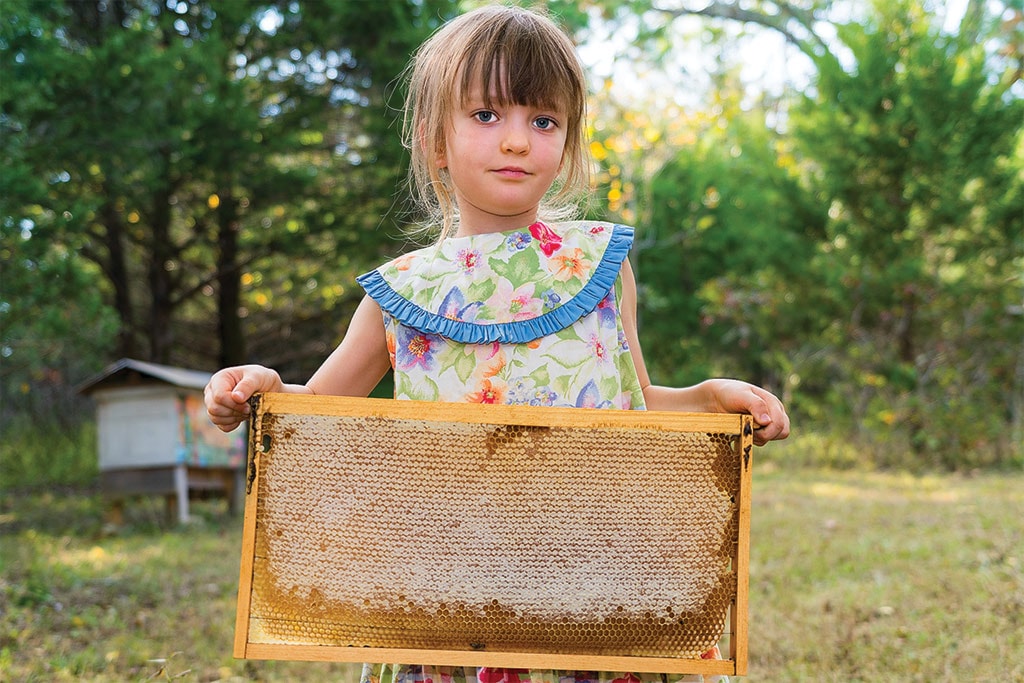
[{"x": 228, "y": 391}]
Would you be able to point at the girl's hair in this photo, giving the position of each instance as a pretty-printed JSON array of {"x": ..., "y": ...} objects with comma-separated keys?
[{"x": 518, "y": 56}]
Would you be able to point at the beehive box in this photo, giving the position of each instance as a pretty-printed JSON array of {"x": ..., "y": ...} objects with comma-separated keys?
[
  {"x": 456, "y": 534},
  {"x": 154, "y": 437}
]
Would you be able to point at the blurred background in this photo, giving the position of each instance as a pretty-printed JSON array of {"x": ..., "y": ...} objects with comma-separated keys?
[{"x": 828, "y": 198}]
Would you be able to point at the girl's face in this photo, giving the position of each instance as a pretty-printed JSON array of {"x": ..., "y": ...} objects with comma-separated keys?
[{"x": 502, "y": 160}]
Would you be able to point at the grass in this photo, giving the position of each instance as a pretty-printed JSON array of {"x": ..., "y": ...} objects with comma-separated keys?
[
  {"x": 872, "y": 577},
  {"x": 854, "y": 577}
]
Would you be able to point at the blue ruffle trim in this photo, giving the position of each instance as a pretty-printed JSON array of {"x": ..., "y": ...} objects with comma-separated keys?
[{"x": 519, "y": 332}]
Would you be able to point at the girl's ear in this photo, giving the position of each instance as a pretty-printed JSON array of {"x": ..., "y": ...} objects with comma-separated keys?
[{"x": 440, "y": 158}]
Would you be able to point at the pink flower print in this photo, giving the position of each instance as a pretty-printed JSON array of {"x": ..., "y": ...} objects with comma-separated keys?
[
  {"x": 628, "y": 678},
  {"x": 568, "y": 266},
  {"x": 415, "y": 349},
  {"x": 713, "y": 653},
  {"x": 597, "y": 230},
  {"x": 490, "y": 359},
  {"x": 514, "y": 303},
  {"x": 550, "y": 241},
  {"x": 468, "y": 259},
  {"x": 598, "y": 349},
  {"x": 489, "y": 675}
]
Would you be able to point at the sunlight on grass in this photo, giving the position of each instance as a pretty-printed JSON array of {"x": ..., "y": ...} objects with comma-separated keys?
[
  {"x": 892, "y": 490},
  {"x": 104, "y": 559}
]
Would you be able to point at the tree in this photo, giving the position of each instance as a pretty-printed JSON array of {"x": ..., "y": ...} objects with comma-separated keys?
[
  {"x": 925, "y": 194},
  {"x": 190, "y": 149},
  {"x": 54, "y": 324},
  {"x": 732, "y": 232},
  {"x": 910, "y": 135}
]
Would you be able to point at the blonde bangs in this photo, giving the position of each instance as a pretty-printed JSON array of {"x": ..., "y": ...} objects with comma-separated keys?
[{"x": 546, "y": 73}]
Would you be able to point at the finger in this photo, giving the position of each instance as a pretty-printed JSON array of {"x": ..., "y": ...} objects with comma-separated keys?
[
  {"x": 758, "y": 408},
  {"x": 226, "y": 410},
  {"x": 227, "y": 426},
  {"x": 225, "y": 419},
  {"x": 221, "y": 383},
  {"x": 778, "y": 429},
  {"x": 226, "y": 423},
  {"x": 244, "y": 389},
  {"x": 763, "y": 435},
  {"x": 770, "y": 416}
]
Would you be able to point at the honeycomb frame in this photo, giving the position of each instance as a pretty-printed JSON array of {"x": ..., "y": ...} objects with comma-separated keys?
[{"x": 507, "y": 536}]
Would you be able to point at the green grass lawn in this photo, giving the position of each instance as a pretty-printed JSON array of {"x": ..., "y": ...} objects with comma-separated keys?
[{"x": 854, "y": 576}]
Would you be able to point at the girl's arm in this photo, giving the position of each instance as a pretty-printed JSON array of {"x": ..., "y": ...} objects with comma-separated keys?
[
  {"x": 710, "y": 396},
  {"x": 353, "y": 369}
]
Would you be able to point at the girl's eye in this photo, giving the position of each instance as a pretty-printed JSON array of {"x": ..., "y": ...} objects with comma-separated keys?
[
  {"x": 545, "y": 122},
  {"x": 484, "y": 116}
]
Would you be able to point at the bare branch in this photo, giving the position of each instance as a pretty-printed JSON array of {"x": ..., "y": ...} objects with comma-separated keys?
[{"x": 814, "y": 46}]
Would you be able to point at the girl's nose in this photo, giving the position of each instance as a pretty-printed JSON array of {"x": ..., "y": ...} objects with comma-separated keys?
[{"x": 515, "y": 140}]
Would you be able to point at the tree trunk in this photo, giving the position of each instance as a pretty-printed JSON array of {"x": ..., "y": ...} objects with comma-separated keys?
[
  {"x": 229, "y": 290},
  {"x": 161, "y": 281},
  {"x": 116, "y": 268}
]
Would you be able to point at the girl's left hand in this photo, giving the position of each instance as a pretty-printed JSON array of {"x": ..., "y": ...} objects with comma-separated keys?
[{"x": 734, "y": 396}]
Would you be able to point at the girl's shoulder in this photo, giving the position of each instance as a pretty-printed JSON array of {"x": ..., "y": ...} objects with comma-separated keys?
[{"x": 513, "y": 286}]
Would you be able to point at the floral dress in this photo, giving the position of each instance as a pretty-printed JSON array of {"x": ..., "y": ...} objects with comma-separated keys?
[{"x": 528, "y": 317}]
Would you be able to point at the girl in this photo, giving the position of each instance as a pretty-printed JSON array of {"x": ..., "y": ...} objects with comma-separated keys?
[{"x": 512, "y": 304}]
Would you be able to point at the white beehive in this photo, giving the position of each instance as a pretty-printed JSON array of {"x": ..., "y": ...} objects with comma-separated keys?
[{"x": 154, "y": 437}]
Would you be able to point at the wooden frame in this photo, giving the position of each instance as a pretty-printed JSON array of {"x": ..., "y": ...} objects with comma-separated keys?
[{"x": 269, "y": 427}]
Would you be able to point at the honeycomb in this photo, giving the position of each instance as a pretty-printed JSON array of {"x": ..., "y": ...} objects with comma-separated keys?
[{"x": 426, "y": 534}]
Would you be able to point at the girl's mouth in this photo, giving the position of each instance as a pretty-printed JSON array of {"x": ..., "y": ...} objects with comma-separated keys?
[{"x": 511, "y": 172}]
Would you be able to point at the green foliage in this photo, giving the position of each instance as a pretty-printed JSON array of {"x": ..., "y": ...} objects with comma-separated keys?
[
  {"x": 188, "y": 148},
  {"x": 924, "y": 184},
  {"x": 732, "y": 232},
  {"x": 199, "y": 183},
  {"x": 55, "y": 329},
  {"x": 865, "y": 260}
]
